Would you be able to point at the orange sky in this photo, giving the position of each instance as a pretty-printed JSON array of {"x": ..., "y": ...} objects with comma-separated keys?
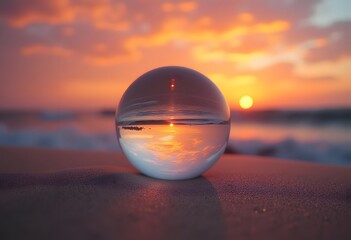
[{"x": 75, "y": 54}]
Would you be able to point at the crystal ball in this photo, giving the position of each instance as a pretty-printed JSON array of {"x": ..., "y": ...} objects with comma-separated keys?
[{"x": 173, "y": 123}]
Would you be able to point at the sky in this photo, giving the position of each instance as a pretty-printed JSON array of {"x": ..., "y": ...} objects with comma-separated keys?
[{"x": 83, "y": 54}]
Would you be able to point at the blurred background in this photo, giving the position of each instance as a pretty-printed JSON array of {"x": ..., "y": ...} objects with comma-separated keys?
[{"x": 284, "y": 67}]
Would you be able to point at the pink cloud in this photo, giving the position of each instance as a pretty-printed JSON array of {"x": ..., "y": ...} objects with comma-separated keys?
[
  {"x": 20, "y": 13},
  {"x": 184, "y": 6},
  {"x": 229, "y": 31},
  {"x": 103, "y": 14},
  {"x": 111, "y": 59},
  {"x": 46, "y": 50}
]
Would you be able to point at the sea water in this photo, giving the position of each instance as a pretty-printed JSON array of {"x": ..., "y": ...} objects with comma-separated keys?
[{"x": 302, "y": 139}]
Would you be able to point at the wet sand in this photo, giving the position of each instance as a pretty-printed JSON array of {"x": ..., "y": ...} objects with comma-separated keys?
[{"x": 60, "y": 194}]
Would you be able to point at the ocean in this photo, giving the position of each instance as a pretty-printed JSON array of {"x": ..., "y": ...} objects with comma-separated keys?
[{"x": 322, "y": 136}]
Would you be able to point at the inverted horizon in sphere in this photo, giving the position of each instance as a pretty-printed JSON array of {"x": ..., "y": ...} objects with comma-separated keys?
[{"x": 173, "y": 123}]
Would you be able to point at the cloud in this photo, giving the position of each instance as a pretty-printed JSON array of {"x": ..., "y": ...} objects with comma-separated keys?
[
  {"x": 250, "y": 34},
  {"x": 46, "y": 50},
  {"x": 20, "y": 13},
  {"x": 103, "y": 14},
  {"x": 110, "y": 16},
  {"x": 338, "y": 69},
  {"x": 210, "y": 44},
  {"x": 290, "y": 72},
  {"x": 328, "y": 12},
  {"x": 110, "y": 59},
  {"x": 337, "y": 38},
  {"x": 68, "y": 31},
  {"x": 187, "y": 6}
]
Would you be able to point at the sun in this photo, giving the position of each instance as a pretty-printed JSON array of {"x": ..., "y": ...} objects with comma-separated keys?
[{"x": 246, "y": 102}]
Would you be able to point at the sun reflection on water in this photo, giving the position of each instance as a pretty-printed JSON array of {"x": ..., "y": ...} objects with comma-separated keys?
[{"x": 173, "y": 150}]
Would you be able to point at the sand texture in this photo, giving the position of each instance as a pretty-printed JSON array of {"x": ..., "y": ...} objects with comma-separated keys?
[{"x": 57, "y": 194}]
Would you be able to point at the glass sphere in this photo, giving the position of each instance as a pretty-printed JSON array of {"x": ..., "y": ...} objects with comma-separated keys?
[{"x": 173, "y": 123}]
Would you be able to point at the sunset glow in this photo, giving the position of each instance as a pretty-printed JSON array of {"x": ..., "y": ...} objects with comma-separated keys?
[
  {"x": 288, "y": 54},
  {"x": 181, "y": 152},
  {"x": 246, "y": 102},
  {"x": 172, "y": 84}
]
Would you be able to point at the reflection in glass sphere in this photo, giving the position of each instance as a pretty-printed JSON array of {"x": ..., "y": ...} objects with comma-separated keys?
[{"x": 173, "y": 123}]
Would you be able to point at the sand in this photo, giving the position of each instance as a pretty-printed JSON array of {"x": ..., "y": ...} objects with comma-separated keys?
[{"x": 58, "y": 194}]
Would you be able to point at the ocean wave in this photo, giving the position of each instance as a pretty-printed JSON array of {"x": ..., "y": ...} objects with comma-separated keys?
[
  {"x": 64, "y": 138},
  {"x": 71, "y": 138},
  {"x": 313, "y": 117},
  {"x": 321, "y": 152}
]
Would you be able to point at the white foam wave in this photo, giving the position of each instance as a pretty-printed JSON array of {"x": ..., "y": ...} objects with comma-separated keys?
[
  {"x": 71, "y": 138},
  {"x": 64, "y": 138},
  {"x": 322, "y": 152}
]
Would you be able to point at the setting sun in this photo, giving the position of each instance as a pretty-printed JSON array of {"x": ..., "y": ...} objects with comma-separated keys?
[{"x": 246, "y": 102}]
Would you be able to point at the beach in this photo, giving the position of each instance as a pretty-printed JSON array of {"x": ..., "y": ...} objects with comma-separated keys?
[{"x": 70, "y": 194}]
